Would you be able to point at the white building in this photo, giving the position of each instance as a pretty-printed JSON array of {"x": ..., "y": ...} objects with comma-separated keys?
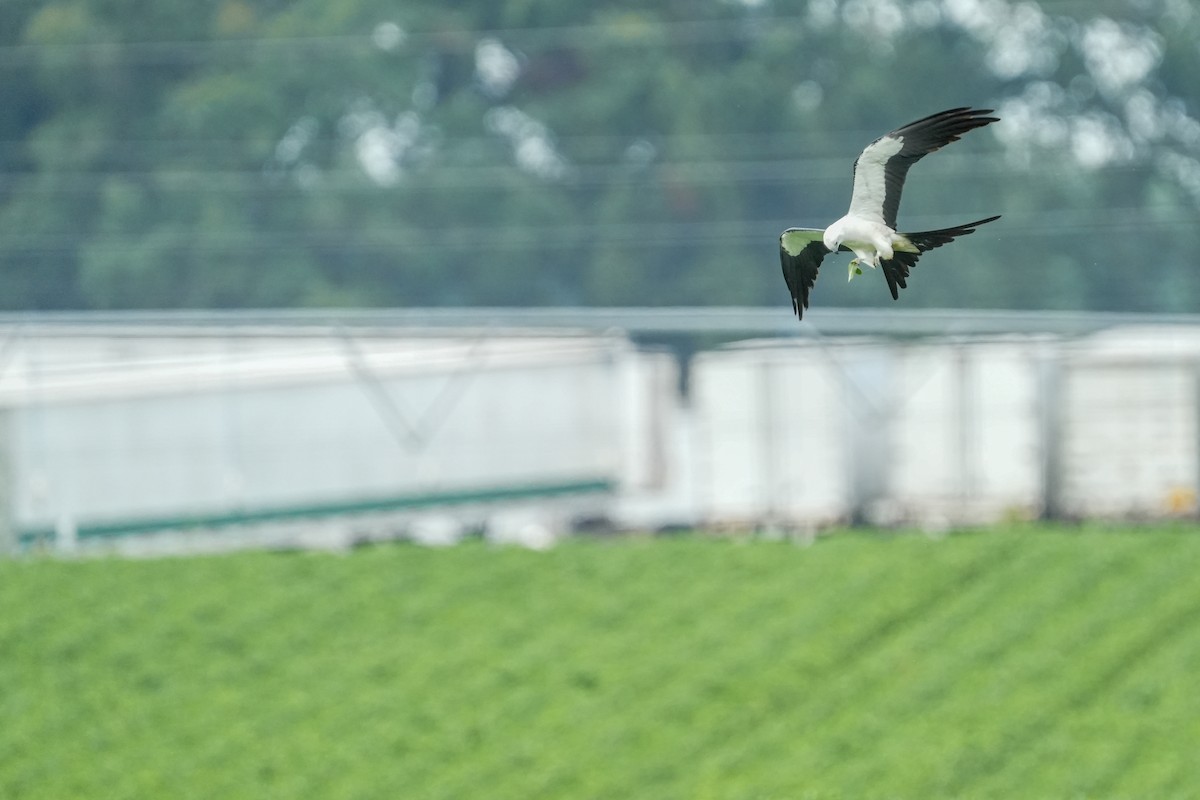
[
  {"x": 1129, "y": 440},
  {"x": 322, "y": 435},
  {"x": 808, "y": 432},
  {"x": 108, "y": 433}
]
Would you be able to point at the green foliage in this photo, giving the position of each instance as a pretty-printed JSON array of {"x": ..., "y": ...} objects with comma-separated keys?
[
  {"x": 267, "y": 153},
  {"x": 1028, "y": 662}
]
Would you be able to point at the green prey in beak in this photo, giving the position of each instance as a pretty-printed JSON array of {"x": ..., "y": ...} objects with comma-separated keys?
[{"x": 856, "y": 266}]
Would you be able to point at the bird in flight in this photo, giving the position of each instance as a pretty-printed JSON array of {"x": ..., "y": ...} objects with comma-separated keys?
[{"x": 869, "y": 228}]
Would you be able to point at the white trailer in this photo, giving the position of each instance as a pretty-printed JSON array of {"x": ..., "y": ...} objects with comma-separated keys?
[
  {"x": 107, "y": 432},
  {"x": 810, "y": 433},
  {"x": 111, "y": 435},
  {"x": 1129, "y": 439}
]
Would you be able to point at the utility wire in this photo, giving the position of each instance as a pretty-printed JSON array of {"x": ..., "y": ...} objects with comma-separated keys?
[
  {"x": 629, "y": 30},
  {"x": 531, "y": 238},
  {"x": 797, "y": 171},
  {"x": 632, "y": 32}
]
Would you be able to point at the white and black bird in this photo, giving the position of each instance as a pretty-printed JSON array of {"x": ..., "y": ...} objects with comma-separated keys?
[{"x": 869, "y": 228}]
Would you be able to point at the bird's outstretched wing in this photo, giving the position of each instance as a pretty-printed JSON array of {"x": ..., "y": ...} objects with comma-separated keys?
[
  {"x": 896, "y": 268},
  {"x": 801, "y": 251},
  {"x": 880, "y": 169}
]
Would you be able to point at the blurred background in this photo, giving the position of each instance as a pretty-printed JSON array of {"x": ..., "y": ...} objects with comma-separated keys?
[
  {"x": 326, "y": 277},
  {"x": 361, "y": 268}
]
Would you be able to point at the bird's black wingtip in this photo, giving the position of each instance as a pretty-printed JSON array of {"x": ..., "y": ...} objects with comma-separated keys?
[
  {"x": 799, "y": 306},
  {"x": 975, "y": 117},
  {"x": 964, "y": 111},
  {"x": 977, "y": 223}
]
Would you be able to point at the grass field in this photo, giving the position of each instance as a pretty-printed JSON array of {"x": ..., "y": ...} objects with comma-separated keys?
[{"x": 1022, "y": 663}]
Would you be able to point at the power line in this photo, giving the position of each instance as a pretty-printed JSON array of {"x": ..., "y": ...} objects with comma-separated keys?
[
  {"x": 630, "y": 30},
  {"x": 1115, "y": 222},
  {"x": 794, "y": 171}
]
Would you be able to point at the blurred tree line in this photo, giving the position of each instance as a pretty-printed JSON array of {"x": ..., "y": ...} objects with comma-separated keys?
[{"x": 256, "y": 153}]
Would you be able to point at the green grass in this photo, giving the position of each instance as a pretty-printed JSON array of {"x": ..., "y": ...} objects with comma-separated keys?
[{"x": 1021, "y": 663}]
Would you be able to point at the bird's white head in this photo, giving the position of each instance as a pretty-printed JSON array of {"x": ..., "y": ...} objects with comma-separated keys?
[
  {"x": 835, "y": 234},
  {"x": 832, "y": 239}
]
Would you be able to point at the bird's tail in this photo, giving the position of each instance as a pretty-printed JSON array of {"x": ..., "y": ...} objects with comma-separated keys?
[
  {"x": 928, "y": 240},
  {"x": 912, "y": 245}
]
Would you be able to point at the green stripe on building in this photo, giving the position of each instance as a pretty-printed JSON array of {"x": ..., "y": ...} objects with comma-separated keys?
[{"x": 371, "y": 505}]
